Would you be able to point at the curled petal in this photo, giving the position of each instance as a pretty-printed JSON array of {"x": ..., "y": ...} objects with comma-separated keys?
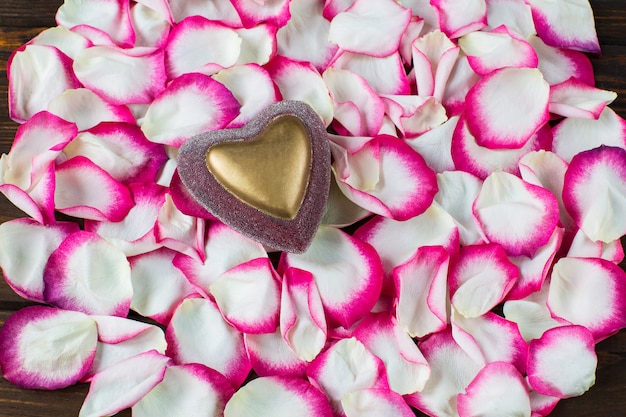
[
  {"x": 224, "y": 249},
  {"x": 25, "y": 246},
  {"x": 504, "y": 197},
  {"x": 347, "y": 272},
  {"x": 258, "y": 44},
  {"x": 85, "y": 190},
  {"x": 357, "y": 108},
  {"x": 302, "y": 320},
  {"x": 279, "y": 397},
  {"x": 476, "y": 336},
  {"x": 589, "y": 292},
  {"x": 493, "y": 104},
  {"x": 434, "y": 56},
  {"x": 435, "y": 145},
  {"x": 562, "y": 363},
  {"x": 86, "y": 273},
  {"x": 46, "y": 348},
  {"x": 116, "y": 389},
  {"x": 396, "y": 242},
  {"x": 421, "y": 304},
  {"x": 36, "y": 146},
  {"x": 547, "y": 170},
  {"x": 534, "y": 270},
  {"x": 193, "y": 390},
  {"x": 38, "y": 202},
  {"x": 120, "y": 338},
  {"x": 305, "y": 36},
  {"x": 248, "y": 296},
  {"x": 380, "y": 25},
  {"x": 134, "y": 234},
  {"x": 120, "y": 149},
  {"x": 480, "y": 278},
  {"x": 574, "y": 98},
  {"x": 46, "y": 71},
  {"x": 151, "y": 22},
  {"x": 498, "y": 389},
  {"x": 197, "y": 333},
  {"x": 498, "y": 48},
  {"x": 456, "y": 195},
  {"x": 345, "y": 367},
  {"x": 158, "y": 285},
  {"x": 407, "y": 369},
  {"x": 567, "y": 25},
  {"x": 415, "y": 115},
  {"x": 455, "y": 24},
  {"x": 191, "y": 104},
  {"x": 481, "y": 161},
  {"x": 178, "y": 231},
  {"x": 531, "y": 314},
  {"x": 594, "y": 192},
  {"x": 253, "y": 88},
  {"x": 110, "y": 16},
  {"x": 387, "y": 177}
]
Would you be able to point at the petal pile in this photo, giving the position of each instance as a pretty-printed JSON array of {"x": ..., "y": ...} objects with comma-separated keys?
[{"x": 468, "y": 260}]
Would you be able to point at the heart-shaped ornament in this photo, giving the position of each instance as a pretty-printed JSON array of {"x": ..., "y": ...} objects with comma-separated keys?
[{"x": 269, "y": 180}]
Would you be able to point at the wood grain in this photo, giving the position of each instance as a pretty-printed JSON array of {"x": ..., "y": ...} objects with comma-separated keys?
[{"x": 20, "y": 20}]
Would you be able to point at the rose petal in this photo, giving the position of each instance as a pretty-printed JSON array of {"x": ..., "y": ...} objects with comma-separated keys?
[
  {"x": 407, "y": 369},
  {"x": 86, "y": 273},
  {"x": 279, "y": 397},
  {"x": 25, "y": 246},
  {"x": 493, "y": 107},
  {"x": 197, "y": 333},
  {"x": 248, "y": 295},
  {"x": 345, "y": 367},
  {"x": 158, "y": 286},
  {"x": 347, "y": 272},
  {"x": 110, "y": 16},
  {"x": 562, "y": 363},
  {"x": 46, "y": 71},
  {"x": 302, "y": 320},
  {"x": 421, "y": 303},
  {"x": 589, "y": 292},
  {"x": 504, "y": 197},
  {"x": 379, "y": 23},
  {"x": 191, "y": 104},
  {"x": 570, "y": 25},
  {"x": 116, "y": 389},
  {"x": 498, "y": 389},
  {"x": 193, "y": 390},
  {"x": 46, "y": 348},
  {"x": 594, "y": 192}
]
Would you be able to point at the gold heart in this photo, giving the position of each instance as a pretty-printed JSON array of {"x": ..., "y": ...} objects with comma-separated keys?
[{"x": 269, "y": 171}]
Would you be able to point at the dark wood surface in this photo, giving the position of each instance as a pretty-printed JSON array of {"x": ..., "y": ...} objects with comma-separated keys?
[{"x": 20, "y": 20}]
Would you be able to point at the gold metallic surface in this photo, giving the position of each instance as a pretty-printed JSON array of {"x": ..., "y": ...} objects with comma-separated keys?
[{"x": 269, "y": 172}]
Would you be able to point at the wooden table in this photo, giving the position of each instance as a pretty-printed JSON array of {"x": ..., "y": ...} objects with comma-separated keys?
[{"x": 20, "y": 20}]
